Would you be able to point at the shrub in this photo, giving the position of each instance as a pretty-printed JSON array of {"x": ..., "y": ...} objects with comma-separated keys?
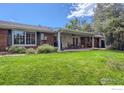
[
  {"x": 17, "y": 49},
  {"x": 110, "y": 47},
  {"x": 30, "y": 51},
  {"x": 45, "y": 48}
]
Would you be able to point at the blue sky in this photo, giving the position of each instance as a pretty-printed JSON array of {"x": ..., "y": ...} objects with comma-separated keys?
[{"x": 51, "y": 15}]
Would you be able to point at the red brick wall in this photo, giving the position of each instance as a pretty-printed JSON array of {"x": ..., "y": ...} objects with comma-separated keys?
[
  {"x": 50, "y": 40},
  {"x": 31, "y": 47},
  {"x": 3, "y": 39}
]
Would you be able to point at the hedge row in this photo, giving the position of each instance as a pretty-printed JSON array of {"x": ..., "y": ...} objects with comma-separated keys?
[{"x": 45, "y": 48}]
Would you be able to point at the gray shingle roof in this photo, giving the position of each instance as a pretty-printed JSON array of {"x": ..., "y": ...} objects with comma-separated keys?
[
  {"x": 67, "y": 31},
  {"x": 13, "y": 25}
]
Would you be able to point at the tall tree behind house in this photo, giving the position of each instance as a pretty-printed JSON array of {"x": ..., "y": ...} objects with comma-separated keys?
[{"x": 109, "y": 18}]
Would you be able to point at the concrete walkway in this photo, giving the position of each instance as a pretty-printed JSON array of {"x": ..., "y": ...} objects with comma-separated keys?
[
  {"x": 83, "y": 49},
  {"x": 86, "y": 49}
]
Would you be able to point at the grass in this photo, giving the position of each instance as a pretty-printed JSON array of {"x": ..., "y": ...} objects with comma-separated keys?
[{"x": 97, "y": 67}]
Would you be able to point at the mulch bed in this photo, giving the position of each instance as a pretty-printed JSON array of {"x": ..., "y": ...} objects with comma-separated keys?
[
  {"x": 4, "y": 53},
  {"x": 8, "y": 54}
]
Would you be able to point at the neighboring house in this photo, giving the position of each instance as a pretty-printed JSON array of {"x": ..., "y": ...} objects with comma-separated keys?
[{"x": 16, "y": 34}]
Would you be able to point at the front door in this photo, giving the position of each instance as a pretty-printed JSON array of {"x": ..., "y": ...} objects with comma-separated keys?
[
  {"x": 76, "y": 42},
  {"x": 82, "y": 42},
  {"x": 73, "y": 42},
  {"x": 102, "y": 44}
]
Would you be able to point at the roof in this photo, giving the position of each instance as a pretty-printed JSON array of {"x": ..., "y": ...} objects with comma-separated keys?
[
  {"x": 19, "y": 26},
  {"x": 13, "y": 25},
  {"x": 77, "y": 32}
]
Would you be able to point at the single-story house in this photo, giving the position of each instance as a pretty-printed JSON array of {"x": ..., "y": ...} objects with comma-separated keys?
[{"x": 17, "y": 34}]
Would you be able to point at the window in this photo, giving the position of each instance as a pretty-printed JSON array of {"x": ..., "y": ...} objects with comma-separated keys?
[
  {"x": 30, "y": 38},
  {"x": 19, "y": 37},
  {"x": 43, "y": 37},
  {"x": 24, "y": 38}
]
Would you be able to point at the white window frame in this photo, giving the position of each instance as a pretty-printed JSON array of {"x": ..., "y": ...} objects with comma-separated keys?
[
  {"x": 25, "y": 39},
  {"x": 43, "y": 36}
]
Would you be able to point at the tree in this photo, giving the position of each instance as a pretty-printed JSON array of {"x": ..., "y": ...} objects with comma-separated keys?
[
  {"x": 86, "y": 27},
  {"x": 74, "y": 24},
  {"x": 79, "y": 24},
  {"x": 109, "y": 19}
]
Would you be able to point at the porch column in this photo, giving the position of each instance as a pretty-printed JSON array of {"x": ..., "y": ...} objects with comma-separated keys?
[
  {"x": 59, "y": 40},
  {"x": 92, "y": 41}
]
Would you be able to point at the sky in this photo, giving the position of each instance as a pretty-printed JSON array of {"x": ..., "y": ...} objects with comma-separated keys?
[{"x": 51, "y": 15}]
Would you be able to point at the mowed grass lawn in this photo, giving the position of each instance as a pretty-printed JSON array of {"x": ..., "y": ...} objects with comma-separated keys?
[{"x": 96, "y": 67}]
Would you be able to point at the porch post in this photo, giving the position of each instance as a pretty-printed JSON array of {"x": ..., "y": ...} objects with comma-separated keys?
[
  {"x": 92, "y": 41},
  {"x": 59, "y": 41}
]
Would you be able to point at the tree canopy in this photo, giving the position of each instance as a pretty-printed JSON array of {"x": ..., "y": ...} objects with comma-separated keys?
[
  {"x": 109, "y": 19},
  {"x": 79, "y": 24}
]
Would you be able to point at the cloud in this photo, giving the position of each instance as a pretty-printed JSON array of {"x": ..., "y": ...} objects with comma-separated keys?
[
  {"x": 81, "y": 10},
  {"x": 12, "y": 20}
]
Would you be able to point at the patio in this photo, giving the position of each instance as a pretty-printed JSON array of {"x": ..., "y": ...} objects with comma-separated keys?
[
  {"x": 78, "y": 40},
  {"x": 81, "y": 49}
]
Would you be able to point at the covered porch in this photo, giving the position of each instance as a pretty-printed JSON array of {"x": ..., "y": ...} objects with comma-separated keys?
[{"x": 77, "y": 40}]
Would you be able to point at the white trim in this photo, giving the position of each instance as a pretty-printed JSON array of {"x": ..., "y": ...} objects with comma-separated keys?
[
  {"x": 12, "y": 39},
  {"x": 92, "y": 41},
  {"x": 22, "y": 45},
  {"x": 25, "y": 39},
  {"x": 59, "y": 40},
  {"x": 35, "y": 38}
]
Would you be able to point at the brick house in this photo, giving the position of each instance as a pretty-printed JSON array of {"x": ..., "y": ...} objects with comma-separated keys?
[{"x": 16, "y": 34}]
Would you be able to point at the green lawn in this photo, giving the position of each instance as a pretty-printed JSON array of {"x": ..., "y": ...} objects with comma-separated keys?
[{"x": 69, "y": 68}]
